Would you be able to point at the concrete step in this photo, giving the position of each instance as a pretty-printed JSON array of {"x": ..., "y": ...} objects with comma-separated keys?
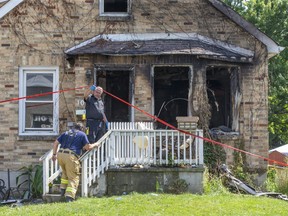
[
  {"x": 52, "y": 198},
  {"x": 54, "y": 194}
]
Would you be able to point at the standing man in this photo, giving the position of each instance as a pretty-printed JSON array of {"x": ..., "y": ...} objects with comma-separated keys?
[
  {"x": 72, "y": 143},
  {"x": 95, "y": 116}
]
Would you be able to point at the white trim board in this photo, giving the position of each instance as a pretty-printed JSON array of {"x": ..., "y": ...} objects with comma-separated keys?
[{"x": 10, "y": 5}]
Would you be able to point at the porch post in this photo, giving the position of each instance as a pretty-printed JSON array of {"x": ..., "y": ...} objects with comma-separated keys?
[{"x": 84, "y": 181}]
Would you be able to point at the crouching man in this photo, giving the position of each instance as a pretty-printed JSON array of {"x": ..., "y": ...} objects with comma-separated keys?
[{"x": 72, "y": 143}]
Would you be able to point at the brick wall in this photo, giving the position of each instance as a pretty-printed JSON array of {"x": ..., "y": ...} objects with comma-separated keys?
[{"x": 24, "y": 44}]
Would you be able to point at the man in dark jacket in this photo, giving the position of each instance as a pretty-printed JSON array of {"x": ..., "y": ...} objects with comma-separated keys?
[{"x": 95, "y": 116}]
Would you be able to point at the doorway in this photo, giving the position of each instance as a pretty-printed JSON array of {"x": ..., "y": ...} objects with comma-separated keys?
[
  {"x": 171, "y": 87},
  {"x": 117, "y": 83}
]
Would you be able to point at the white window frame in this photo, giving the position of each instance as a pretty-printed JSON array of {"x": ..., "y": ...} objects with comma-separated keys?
[
  {"x": 22, "y": 93},
  {"x": 114, "y": 14}
]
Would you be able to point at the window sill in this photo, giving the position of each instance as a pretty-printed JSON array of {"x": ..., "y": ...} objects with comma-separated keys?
[
  {"x": 114, "y": 18},
  {"x": 37, "y": 137}
]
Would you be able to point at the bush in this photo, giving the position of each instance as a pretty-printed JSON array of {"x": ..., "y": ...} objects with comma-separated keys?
[
  {"x": 33, "y": 175},
  {"x": 277, "y": 180},
  {"x": 213, "y": 184}
]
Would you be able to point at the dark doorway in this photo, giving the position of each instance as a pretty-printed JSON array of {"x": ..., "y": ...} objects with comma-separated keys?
[
  {"x": 171, "y": 86},
  {"x": 219, "y": 95},
  {"x": 116, "y": 83}
]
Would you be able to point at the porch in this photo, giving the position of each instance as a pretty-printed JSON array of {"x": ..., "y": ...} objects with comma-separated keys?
[{"x": 135, "y": 147}]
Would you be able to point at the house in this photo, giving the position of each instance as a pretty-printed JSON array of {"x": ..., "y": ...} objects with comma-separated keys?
[
  {"x": 279, "y": 154},
  {"x": 169, "y": 58}
]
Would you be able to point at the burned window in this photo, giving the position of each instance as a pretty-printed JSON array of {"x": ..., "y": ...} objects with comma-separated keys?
[
  {"x": 224, "y": 96},
  {"x": 114, "y": 7}
]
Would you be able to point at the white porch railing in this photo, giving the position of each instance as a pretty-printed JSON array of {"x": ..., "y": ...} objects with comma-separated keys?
[
  {"x": 51, "y": 170},
  {"x": 130, "y": 125},
  {"x": 130, "y": 146}
]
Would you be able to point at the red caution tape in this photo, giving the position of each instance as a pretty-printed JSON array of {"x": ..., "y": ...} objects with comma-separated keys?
[
  {"x": 152, "y": 117},
  {"x": 40, "y": 95},
  {"x": 203, "y": 138}
]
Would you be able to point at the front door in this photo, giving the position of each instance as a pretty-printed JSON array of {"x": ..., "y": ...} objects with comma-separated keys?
[{"x": 117, "y": 83}]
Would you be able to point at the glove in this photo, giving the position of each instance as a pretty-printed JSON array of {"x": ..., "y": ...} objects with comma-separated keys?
[
  {"x": 107, "y": 124},
  {"x": 92, "y": 88}
]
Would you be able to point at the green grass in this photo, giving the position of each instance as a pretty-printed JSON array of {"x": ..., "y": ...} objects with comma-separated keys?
[{"x": 159, "y": 204}]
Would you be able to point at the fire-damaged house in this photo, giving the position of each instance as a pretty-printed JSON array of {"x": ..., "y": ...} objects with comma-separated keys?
[{"x": 169, "y": 58}]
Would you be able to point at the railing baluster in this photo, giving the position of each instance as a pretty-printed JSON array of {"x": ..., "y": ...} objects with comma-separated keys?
[
  {"x": 201, "y": 158},
  {"x": 178, "y": 148},
  {"x": 84, "y": 182},
  {"x": 154, "y": 148},
  {"x": 197, "y": 151}
]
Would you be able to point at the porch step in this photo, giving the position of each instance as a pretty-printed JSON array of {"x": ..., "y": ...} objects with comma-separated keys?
[
  {"x": 52, "y": 198},
  {"x": 54, "y": 194}
]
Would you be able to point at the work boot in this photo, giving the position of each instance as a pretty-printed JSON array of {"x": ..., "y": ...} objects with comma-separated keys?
[
  {"x": 69, "y": 199},
  {"x": 63, "y": 192},
  {"x": 62, "y": 198}
]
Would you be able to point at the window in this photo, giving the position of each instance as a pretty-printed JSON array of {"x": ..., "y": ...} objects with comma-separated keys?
[
  {"x": 224, "y": 95},
  {"x": 114, "y": 7},
  {"x": 38, "y": 111}
]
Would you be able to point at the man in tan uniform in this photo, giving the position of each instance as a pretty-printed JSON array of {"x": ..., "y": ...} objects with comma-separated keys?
[{"x": 72, "y": 143}]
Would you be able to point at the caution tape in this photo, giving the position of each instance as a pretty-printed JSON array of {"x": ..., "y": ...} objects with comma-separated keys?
[
  {"x": 196, "y": 136},
  {"x": 40, "y": 95},
  {"x": 152, "y": 117}
]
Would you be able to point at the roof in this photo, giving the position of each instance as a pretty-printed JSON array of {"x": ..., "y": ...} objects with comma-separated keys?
[
  {"x": 7, "y": 5},
  {"x": 161, "y": 44},
  {"x": 272, "y": 47},
  {"x": 282, "y": 149}
]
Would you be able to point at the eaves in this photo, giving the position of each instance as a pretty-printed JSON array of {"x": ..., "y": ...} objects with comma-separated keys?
[{"x": 161, "y": 44}]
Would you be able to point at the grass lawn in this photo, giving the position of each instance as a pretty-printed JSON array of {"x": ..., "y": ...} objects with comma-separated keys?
[{"x": 159, "y": 204}]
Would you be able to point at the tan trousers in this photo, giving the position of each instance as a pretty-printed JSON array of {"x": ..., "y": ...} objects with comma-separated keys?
[{"x": 70, "y": 173}]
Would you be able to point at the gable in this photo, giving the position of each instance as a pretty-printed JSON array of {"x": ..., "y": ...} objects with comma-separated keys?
[
  {"x": 272, "y": 47},
  {"x": 7, "y": 5}
]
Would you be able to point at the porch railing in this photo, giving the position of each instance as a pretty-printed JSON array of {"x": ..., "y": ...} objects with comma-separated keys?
[
  {"x": 130, "y": 146},
  {"x": 51, "y": 170}
]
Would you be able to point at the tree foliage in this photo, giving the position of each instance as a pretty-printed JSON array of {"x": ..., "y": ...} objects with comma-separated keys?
[{"x": 271, "y": 17}]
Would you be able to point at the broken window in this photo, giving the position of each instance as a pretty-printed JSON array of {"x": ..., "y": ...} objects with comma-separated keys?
[
  {"x": 114, "y": 7},
  {"x": 171, "y": 87},
  {"x": 224, "y": 96}
]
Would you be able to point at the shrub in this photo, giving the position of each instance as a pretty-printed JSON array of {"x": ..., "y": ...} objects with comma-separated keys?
[
  {"x": 213, "y": 184},
  {"x": 277, "y": 180},
  {"x": 33, "y": 180}
]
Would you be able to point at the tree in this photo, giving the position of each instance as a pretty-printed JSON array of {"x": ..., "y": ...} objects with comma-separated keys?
[{"x": 271, "y": 17}]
